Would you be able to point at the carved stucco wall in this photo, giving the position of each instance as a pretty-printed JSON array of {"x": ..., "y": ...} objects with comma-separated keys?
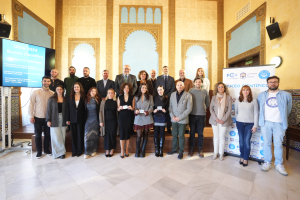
[{"x": 194, "y": 20}]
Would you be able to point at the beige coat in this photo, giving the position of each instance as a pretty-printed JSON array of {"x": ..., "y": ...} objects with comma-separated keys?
[
  {"x": 182, "y": 109},
  {"x": 214, "y": 105},
  {"x": 102, "y": 118}
]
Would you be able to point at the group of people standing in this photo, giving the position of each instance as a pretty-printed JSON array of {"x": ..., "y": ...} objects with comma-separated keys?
[{"x": 119, "y": 107}]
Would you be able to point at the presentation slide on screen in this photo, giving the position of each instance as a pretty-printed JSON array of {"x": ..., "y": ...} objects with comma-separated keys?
[{"x": 23, "y": 64}]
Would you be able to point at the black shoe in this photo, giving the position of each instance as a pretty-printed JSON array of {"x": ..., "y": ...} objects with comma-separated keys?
[
  {"x": 111, "y": 155},
  {"x": 161, "y": 146},
  {"x": 245, "y": 165},
  {"x": 73, "y": 155},
  {"x": 180, "y": 156},
  {"x": 78, "y": 155},
  {"x": 145, "y": 140},
  {"x": 156, "y": 147},
  {"x": 106, "y": 155},
  {"x": 38, "y": 155},
  {"x": 63, "y": 157},
  {"x": 241, "y": 162},
  {"x": 127, "y": 155},
  {"x": 191, "y": 153},
  {"x": 122, "y": 156},
  {"x": 48, "y": 153},
  {"x": 172, "y": 152}
]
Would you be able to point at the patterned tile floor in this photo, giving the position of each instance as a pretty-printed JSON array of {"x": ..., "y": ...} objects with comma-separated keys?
[{"x": 23, "y": 177}]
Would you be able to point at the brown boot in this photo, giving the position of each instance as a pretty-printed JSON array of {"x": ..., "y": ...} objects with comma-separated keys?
[
  {"x": 201, "y": 154},
  {"x": 191, "y": 153}
]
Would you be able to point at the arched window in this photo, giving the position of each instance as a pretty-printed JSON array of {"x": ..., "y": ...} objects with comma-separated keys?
[
  {"x": 149, "y": 16},
  {"x": 132, "y": 15},
  {"x": 196, "y": 58},
  {"x": 124, "y": 15},
  {"x": 84, "y": 57},
  {"x": 141, "y": 15},
  {"x": 140, "y": 52},
  {"x": 157, "y": 16}
]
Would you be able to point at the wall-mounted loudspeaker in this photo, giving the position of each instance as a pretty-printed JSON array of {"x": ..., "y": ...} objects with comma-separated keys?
[
  {"x": 4, "y": 27},
  {"x": 274, "y": 31}
]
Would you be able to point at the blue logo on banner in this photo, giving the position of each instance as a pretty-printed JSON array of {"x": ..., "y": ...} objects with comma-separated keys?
[
  {"x": 262, "y": 152},
  {"x": 262, "y": 139},
  {"x": 232, "y": 133},
  {"x": 243, "y": 75},
  {"x": 231, "y": 146},
  {"x": 233, "y": 120},
  {"x": 264, "y": 74}
]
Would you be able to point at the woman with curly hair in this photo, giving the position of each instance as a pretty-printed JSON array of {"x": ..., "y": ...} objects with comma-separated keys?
[
  {"x": 75, "y": 112},
  {"x": 143, "y": 78},
  {"x": 126, "y": 104},
  {"x": 92, "y": 128},
  {"x": 246, "y": 113},
  {"x": 220, "y": 118}
]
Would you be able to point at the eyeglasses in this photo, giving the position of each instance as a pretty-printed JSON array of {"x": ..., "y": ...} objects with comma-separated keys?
[{"x": 273, "y": 82}]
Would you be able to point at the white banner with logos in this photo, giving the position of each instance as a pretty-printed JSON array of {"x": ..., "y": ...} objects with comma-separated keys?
[{"x": 235, "y": 78}]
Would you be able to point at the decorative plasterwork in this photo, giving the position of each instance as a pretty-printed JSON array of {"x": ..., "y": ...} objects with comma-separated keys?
[
  {"x": 260, "y": 14},
  {"x": 126, "y": 29},
  {"x": 206, "y": 45},
  {"x": 17, "y": 10},
  {"x": 109, "y": 37},
  {"x": 172, "y": 38},
  {"x": 94, "y": 42},
  {"x": 58, "y": 35}
]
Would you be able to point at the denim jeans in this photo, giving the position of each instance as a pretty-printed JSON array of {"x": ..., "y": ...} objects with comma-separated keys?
[
  {"x": 276, "y": 130},
  {"x": 245, "y": 134}
]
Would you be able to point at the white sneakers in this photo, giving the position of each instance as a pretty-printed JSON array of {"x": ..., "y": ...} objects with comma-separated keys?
[
  {"x": 266, "y": 167},
  {"x": 86, "y": 156},
  {"x": 280, "y": 168}
]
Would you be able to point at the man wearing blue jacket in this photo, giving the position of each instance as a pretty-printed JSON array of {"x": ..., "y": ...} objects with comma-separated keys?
[{"x": 275, "y": 106}]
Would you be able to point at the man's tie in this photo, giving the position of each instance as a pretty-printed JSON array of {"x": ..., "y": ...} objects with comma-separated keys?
[
  {"x": 125, "y": 78},
  {"x": 166, "y": 80}
]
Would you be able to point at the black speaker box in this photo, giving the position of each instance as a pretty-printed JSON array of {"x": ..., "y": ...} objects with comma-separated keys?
[
  {"x": 5, "y": 29},
  {"x": 274, "y": 31}
]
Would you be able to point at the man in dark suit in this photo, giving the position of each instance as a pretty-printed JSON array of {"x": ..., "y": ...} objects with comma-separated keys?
[
  {"x": 105, "y": 84},
  {"x": 169, "y": 86},
  {"x": 125, "y": 77}
]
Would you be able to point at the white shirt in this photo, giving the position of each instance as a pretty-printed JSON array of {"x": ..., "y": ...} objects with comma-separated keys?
[
  {"x": 104, "y": 82},
  {"x": 272, "y": 113},
  {"x": 206, "y": 84},
  {"x": 76, "y": 102}
]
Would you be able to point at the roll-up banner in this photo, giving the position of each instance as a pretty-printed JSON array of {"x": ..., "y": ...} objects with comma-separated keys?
[{"x": 235, "y": 78}]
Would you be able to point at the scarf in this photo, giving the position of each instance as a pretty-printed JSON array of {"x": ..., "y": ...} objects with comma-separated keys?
[{"x": 221, "y": 105}]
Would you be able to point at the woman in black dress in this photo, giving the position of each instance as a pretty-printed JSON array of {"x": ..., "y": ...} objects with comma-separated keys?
[
  {"x": 161, "y": 105},
  {"x": 126, "y": 104},
  {"x": 75, "y": 116},
  {"x": 143, "y": 78},
  {"x": 108, "y": 116}
]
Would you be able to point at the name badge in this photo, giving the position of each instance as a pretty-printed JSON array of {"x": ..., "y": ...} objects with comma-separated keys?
[
  {"x": 159, "y": 107},
  {"x": 142, "y": 111},
  {"x": 125, "y": 107}
]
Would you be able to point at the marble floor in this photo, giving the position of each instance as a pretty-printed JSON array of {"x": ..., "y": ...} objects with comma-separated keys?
[{"x": 24, "y": 177}]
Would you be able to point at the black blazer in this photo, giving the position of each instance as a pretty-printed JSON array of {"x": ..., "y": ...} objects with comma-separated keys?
[
  {"x": 103, "y": 90},
  {"x": 73, "y": 114},
  {"x": 169, "y": 88},
  {"x": 154, "y": 93},
  {"x": 97, "y": 109},
  {"x": 120, "y": 80},
  {"x": 52, "y": 112}
]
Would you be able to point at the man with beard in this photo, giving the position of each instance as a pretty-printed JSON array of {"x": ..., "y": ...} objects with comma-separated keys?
[
  {"x": 86, "y": 81},
  {"x": 37, "y": 113},
  {"x": 54, "y": 80},
  {"x": 275, "y": 106},
  {"x": 69, "y": 81},
  {"x": 188, "y": 83}
]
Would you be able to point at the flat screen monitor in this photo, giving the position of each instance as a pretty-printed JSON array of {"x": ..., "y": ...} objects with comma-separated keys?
[{"x": 24, "y": 65}]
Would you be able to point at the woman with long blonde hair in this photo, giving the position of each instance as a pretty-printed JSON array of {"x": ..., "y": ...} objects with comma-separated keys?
[
  {"x": 108, "y": 116},
  {"x": 220, "y": 118},
  {"x": 201, "y": 74}
]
